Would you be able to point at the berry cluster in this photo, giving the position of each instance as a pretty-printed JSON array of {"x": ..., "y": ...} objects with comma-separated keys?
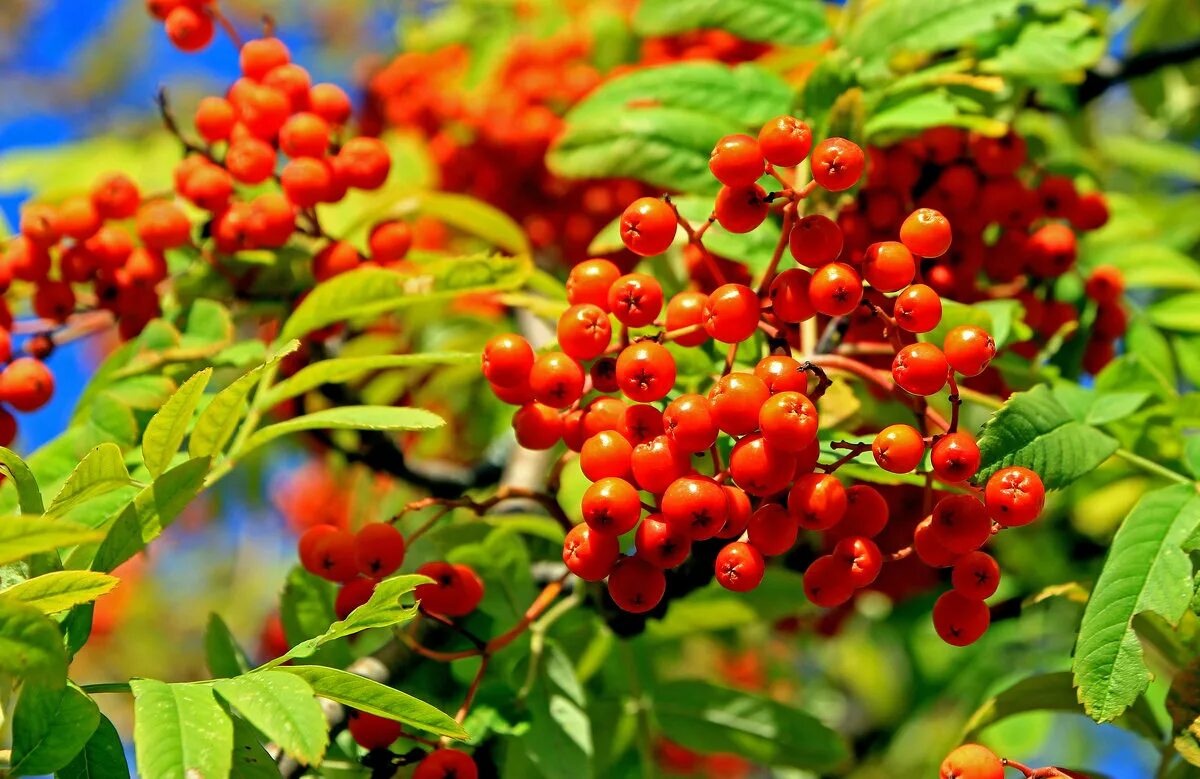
[
  {"x": 1014, "y": 230},
  {"x": 372, "y": 732},
  {"x": 615, "y": 401}
]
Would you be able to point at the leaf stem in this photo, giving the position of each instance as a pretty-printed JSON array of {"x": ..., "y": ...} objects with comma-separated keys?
[{"x": 1151, "y": 467}]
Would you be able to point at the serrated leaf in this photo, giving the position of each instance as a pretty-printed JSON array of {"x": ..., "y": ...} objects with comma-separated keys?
[
  {"x": 31, "y": 646},
  {"x": 343, "y": 369},
  {"x": 383, "y": 609},
  {"x": 28, "y": 492},
  {"x": 787, "y": 22},
  {"x": 58, "y": 591},
  {"x": 225, "y": 658},
  {"x": 371, "y": 291},
  {"x": 1146, "y": 571},
  {"x": 374, "y": 698},
  {"x": 560, "y": 731},
  {"x": 705, "y": 717},
  {"x": 283, "y": 708},
  {"x": 165, "y": 431},
  {"x": 149, "y": 513},
  {"x": 1179, "y": 312},
  {"x": 219, "y": 419},
  {"x": 1033, "y": 430},
  {"x": 101, "y": 470},
  {"x": 103, "y": 757},
  {"x": 1059, "y": 48},
  {"x": 179, "y": 730},
  {"x": 50, "y": 727},
  {"x": 349, "y": 418},
  {"x": 26, "y": 535},
  {"x": 208, "y": 322}
]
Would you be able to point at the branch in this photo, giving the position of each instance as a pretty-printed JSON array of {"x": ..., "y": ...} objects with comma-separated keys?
[{"x": 1100, "y": 80}]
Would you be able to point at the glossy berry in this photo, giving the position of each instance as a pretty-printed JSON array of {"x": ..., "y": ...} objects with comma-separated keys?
[
  {"x": 611, "y": 505},
  {"x": 307, "y": 546},
  {"x": 815, "y": 241},
  {"x": 960, "y": 524},
  {"x": 390, "y": 241},
  {"x": 379, "y": 549},
  {"x": 898, "y": 448},
  {"x": 837, "y": 164},
  {"x": 660, "y": 543},
  {"x": 590, "y": 554},
  {"x": 605, "y": 454},
  {"x": 1105, "y": 284},
  {"x": 115, "y": 196},
  {"x": 731, "y": 313},
  {"x": 364, "y": 163},
  {"x": 640, "y": 423},
  {"x": 736, "y": 400},
  {"x": 589, "y": 282},
  {"x": 584, "y": 331},
  {"x": 635, "y": 299},
  {"x": 507, "y": 360},
  {"x": 788, "y": 421},
  {"x": 645, "y": 371},
  {"x": 760, "y": 468},
  {"x": 737, "y": 514},
  {"x": 960, "y": 620},
  {"x": 926, "y": 233},
  {"x": 690, "y": 423},
  {"x": 737, "y": 161},
  {"x": 835, "y": 289},
  {"x": 920, "y": 369},
  {"x": 687, "y": 310},
  {"x": 927, "y": 547},
  {"x": 658, "y": 462},
  {"x": 888, "y": 266},
  {"x": 334, "y": 556},
  {"x": 785, "y": 141},
  {"x": 635, "y": 585},
  {"x": 866, "y": 512},
  {"x": 740, "y": 567},
  {"x": 351, "y": 595},
  {"x": 26, "y": 384},
  {"x": 976, "y": 575},
  {"x": 260, "y": 56},
  {"x": 536, "y": 426},
  {"x": 446, "y": 764},
  {"x": 969, "y": 349},
  {"x": 918, "y": 309},
  {"x": 190, "y": 29},
  {"x": 862, "y": 559},
  {"x": 781, "y": 373},
  {"x": 827, "y": 582},
  {"x": 371, "y": 731},
  {"x": 971, "y": 761},
  {"x": 772, "y": 529},
  {"x": 456, "y": 590},
  {"x": 1014, "y": 496},
  {"x": 817, "y": 500},
  {"x": 695, "y": 504},
  {"x": 789, "y": 296},
  {"x": 741, "y": 209},
  {"x": 556, "y": 379},
  {"x": 648, "y": 226},
  {"x": 604, "y": 375},
  {"x": 955, "y": 457}
]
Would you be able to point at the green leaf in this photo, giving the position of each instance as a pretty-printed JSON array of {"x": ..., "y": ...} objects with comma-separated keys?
[
  {"x": 998, "y": 317},
  {"x": 1060, "y": 48},
  {"x": 102, "y": 470},
  {"x": 383, "y": 609},
  {"x": 208, "y": 322},
  {"x": 913, "y": 112},
  {"x": 471, "y": 215},
  {"x": 25, "y": 535},
  {"x": 166, "y": 429},
  {"x": 350, "y": 418},
  {"x": 28, "y": 492},
  {"x": 1191, "y": 454},
  {"x": 50, "y": 727},
  {"x": 659, "y": 125},
  {"x": 225, "y": 657},
  {"x": 219, "y": 419},
  {"x": 560, "y": 732},
  {"x": 58, "y": 591},
  {"x": 1146, "y": 570},
  {"x": 371, "y": 291},
  {"x": 712, "y": 719},
  {"x": 150, "y": 512},
  {"x": 283, "y": 708},
  {"x": 179, "y": 730},
  {"x": 306, "y": 610},
  {"x": 1033, "y": 430},
  {"x": 788, "y": 22},
  {"x": 103, "y": 757},
  {"x": 250, "y": 760},
  {"x": 370, "y": 696},
  {"x": 344, "y": 369},
  {"x": 31, "y": 647},
  {"x": 1111, "y": 406},
  {"x": 1050, "y": 692},
  {"x": 1179, "y": 312}
]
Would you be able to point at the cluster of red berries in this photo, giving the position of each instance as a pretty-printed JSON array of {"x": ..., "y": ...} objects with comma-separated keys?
[
  {"x": 714, "y": 45},
  {"x": 1014, "y": 229},
  {"x": 371, "y": 732}
]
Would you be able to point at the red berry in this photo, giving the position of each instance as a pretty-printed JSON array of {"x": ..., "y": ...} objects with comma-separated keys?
[
  {"x": 259, "y": 56},
  {"x": 920, "y": 369},
  {"x": 785, "y": 141},
  {"x": 960, "y": 620},
  {"x": 927, "y": 547},
  {"x": 818, "y": 501},
  {"x": 835, "y": 289},
  {"x": 866, "y": 512},
  {"x": 635, "y": 585},
  {"x": 584, "y": 331},
  {"x": 351, "y": 595},
  {"x": 115, "y": 196},
  {"x": 8, "y": 428},
  {"x": 969, "y": 349},
  {"x": 737, "y": 516},
  {"x": 250, "y": 160},
  {"x": 611, "y": 505},
  {"x": 635, "y": 299},
  {"x": 330, "y": 102},
  {"x": 660, "y": 543},
  {"x": 827, "y": 582},
  {"x": 307, "y": 547},
  {"x": 740, "y": 567},
  {"x": 507, "y": 360},
  {"x": 190, "y": 29},
  {"x": 304, "y": 135},
  {"x": 648, "y": 226},
  {"x": 446, "y": 763},
  {"x": 39, "y": 224},
  {"x": 656, "y": 463},
  {"x": 456, "y": 590},
  {"x": 772, "y": 529},
  {"x": 788, "y": 421},
  {"x": 685, "y": 310},
  {"x": 78, "y": 218},
  {"x": 536, "y": 426},
  {"x": 215, "y": 118},
  {"x": 1090, "y": 212},
  {"x": 741, "y": 209},
  {"x": 602, "y": 413},
  {"x": 645, "y": 371},
  {"x": 26, "y": 384},
  {"x": 364, "y": 163},
  {"x": 737, "y": 161},
  {"x": 898, "y": 448},
  {"x": 960, "y": 524},
  {"x": 1014, "y": 496},
  {"x": 605, "y": 454},
  {"x": 760, "y": 468},
  {"x": 640, "y": 423},
  {"x": 379, "y": 549},
  {"x": 589, "y": 282},
  {"x": 390, "y": 241},
  {"x": 696, "y": 505},
  {"x": 306, "y": 181},
  {"x": 918, "y": 309},
  {"x": 731, "y": 313},
  {"x": 54, "y": 300},
  {"x": 976, "y": 575},
  {"x": 690, "y": 423},
  {"x": 816, "y": 240},
  {"x": 294, "y": 82},
  {"x": 556, "y": 380},
  {"x": 590, "y": 554},
  {"x": 372, "y": 732},
  {"x": 1105, "y": 284},
  {"x": 888, "y": 266},
  {"x": 604, "y": 375},
  {"x": 781, "y": 373},
  {"x": 789, "y": 296},
  {"x": 837, "y": 164},
  {"x": 955, "y": 457},
  {"x": 335, "y": 556},
  {"x": 926, "y": 233},
  {"x": 162, "y": 225},
  {"x": 1052, "y": 250},
  {"x": 862, "y": 557},
  {"x": 971, "y": 761},
  {"x": 736, "y": 400}
]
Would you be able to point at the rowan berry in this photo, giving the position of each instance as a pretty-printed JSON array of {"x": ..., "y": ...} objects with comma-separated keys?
[
  {"x": 737, "y": 161},
  {"x": 39, "y": 224},
  {"x": 1052, "y": 250},
  {"x": 1058, "y": 196},
  {"x": 976, "y": 575},
  {"x": 307, "y": 547},
  {"x": 827, "y": 582},
  {"x": 737, "y": 514},
  {"x": 741, "y": 209},
  {"x": 604, "y": 375},
  {"x": 816, "y": 240},
  {"x": 660, "y": 543},
  {"x": 888, "y": 266},
  {"x": 645, "y": 371},
  {"x": 835, "y": 289},
  {"x": 190, "y": 29},
  {"x": 26, "y": 384},
  {"x": 658, "y": 462},
  {"x": 250, "y": 160},
  {"x": 740, "y": 567},
  {"x": 898, "y": 448},
  {"x": 640, "y": 423},
  {"x": 920, "y": 369},
  {"x": 788, "y": 421},
  {"x": 77, "y": 217},
  {"x": 1111, "y": 321},
  {"x": 259, "y": 56},
  {"x": 605, "y": 454},
  {"x": 54, "y": 300},
  {"x": 334, "y": 259},
  {"x": 1014, "y": 496},
  {"x": 785, "y": 141},
  {"x": 446, "y": 763},
  {"x": 817, "y": 500},
  {"x": 589, "y": 282},
  {"x": 918, "y": 309},
  {"x": 536, "y": 426},
  {"x": 686, "y": 310},
  {"x": 1105, "y": 284},
  {"x": 789, "y": 296},
  {"x": 760, "y": 468},
  {"x": 997, "y": 156},
  {"x": 390, "y": 241},
  {"x": 731, "y": 313},
  {"x": 690, "y": 423},
  {"x": 215, "y": 117},
  {"x": 635, "y": 299},
  {"x": 635, "y": 585},
  {"x": 351, "y": 595},
  {"x": 364, "y": 163},
  {"x": 590, "y": 554},
  {"x": 602, "y": 413},
  {"x": 1090, "y": 212},
  {"x": 926, "y": 233},
  {"x": 162, "y": 225},
  {"x": 272, "y": 220},
  {"x": 960, "y": 620},
  {"x": 781, "y": 373},
  {"x": 611, "y": 505},
  {"x": 971, "y": 761},
  {"x": 556, "y": 379},
  {"x": 115, "y": 196},
  {"x": 507, "y": 359},
  {"x": 24, "y": 260},
  {"x": 736, "y": 399},
  {"x": 866, "y": 512},
  {"x": 837, "y": 164},
  {"x": 648, "y": 226},
  {"x": 456, "y": 590},
  {"x": 304, "y": 135},
  {"x": 294, "y": 82},
  {"x": 584, "y": 331},
  {"x": 929, "y": 550},
  {"x": 331, "y": 103},
  {"x": 379, "y": 549},
  {"x": 209, "y": 187},
  {"x": 696, "y": 505},
  {"x": 960, "y": 524},
  {"x": 370, "y": 731},
  {"x": 8, "y": 428},
  {"x": 306, "y": 181},
  {"x": 955, "y": 457},
  {"x": 943, "y": 144},
  {"x": 108, "y": 249},
  {"x": 772, "y": 529},
  {"x": 862, "y": 557},
  {"x": 335, "y": 557}
]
